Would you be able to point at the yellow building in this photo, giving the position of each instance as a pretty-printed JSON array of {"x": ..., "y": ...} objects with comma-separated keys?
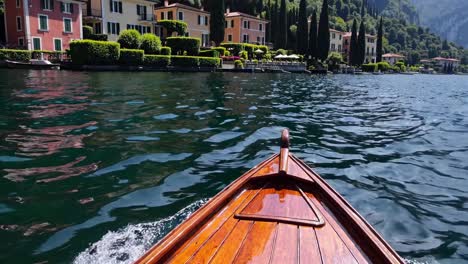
[
  {"x": 197, "y": 20},
  {"x": 113, "y": 16}
]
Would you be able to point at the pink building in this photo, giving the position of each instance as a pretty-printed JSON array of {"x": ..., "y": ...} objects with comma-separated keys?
[
  {"x": 244, "y": 28},
  {"x": 42, "y": 24}
]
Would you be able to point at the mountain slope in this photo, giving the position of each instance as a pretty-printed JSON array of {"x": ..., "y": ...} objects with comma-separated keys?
[{"x": 448, "y": 18}]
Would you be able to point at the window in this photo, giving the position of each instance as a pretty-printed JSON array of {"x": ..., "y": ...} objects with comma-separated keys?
[
  {"x": 113, "y": 28},
  {"x": 21, "y": 41},
  {"x": 47, "y": 4},
  {"x": 169, "y": 15},
  {"x": 57, "y": 44},
  {"x": 260, "y": 27},
  {"x": 245, "y": 38},
  {"x": 339, "y": 47},
  {"x": 97, "y": 28},
  {"x": 232, "y": 23},
  {"x": 141, "y": 12},
  {"x": 162, "y": 15},
  {"x": 19, "y": 24},
  {"x": 180, "y": 15},
  {"x": 340, "y": 37},
  {"x": 333, "y": 47},
  {"x": 205, "y": 40},
  {"x": 37, "y": 43},
  {"x": 206, "y": 20},
  {"x": 67, "y": 25},
  {"x": 141, "y": 29},
  {"x": 199, "y": 20},
  {"x": 43, "y": 22},
  {"x": 247, "y": 24},
  {"x": 115, "y": 6},
  {"x": 18, "y": 3},
  {"x": 66, "y": 7},
  {"x": 333, "y": 35},
  {"x": 230, "y": 38},
  {"x": 258, "y": 40}
]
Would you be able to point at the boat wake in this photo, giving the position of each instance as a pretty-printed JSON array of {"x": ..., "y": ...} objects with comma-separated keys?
[{"x": 129, "y": 243}]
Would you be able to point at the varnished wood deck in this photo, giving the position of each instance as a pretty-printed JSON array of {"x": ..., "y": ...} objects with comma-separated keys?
[{"x": 279, "y": 212}]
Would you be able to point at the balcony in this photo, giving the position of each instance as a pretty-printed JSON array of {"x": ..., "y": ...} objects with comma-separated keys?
[
  {"x": 146, "y": 17},
  {"x": 96, "y": 13}
]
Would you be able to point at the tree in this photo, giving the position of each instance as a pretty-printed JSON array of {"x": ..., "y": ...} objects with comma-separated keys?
[
  {"x": 302, "y": 36},
  {"x": 150, "y": 43},
  {"x": 129, "y": 39},
  {"x": 275, "y": 24},
  {"x": 313, "y": 36},
  {"x": 334, "y": 60},
  {"x": 323, "y": 33},
  {"x": 354, "y": 49},
  {"x": 268, "y": 17},
  {"x": 380, "y": 41},
  {"x": 362, "y": 43},
  {"x": 282, "y": 26},
  {"x": 217, "y": 22}
]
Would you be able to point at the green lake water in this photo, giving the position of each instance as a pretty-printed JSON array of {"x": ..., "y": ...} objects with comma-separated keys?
[{"x": 96, "y": 167}]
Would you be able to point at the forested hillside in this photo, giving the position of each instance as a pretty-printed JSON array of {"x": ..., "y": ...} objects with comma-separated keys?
[
  {"x": 401, "y": 31},
  {"x": 448, "y": 18}
]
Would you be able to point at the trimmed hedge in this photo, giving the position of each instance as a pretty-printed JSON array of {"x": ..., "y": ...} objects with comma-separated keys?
[
  {"x": 383, "y": 66},
  {"x": 179, "y": 45},
  {"x": 150, "y": 43},
  {"x": 238, "y": 64},
  {"x": 131, "y": 56},
  {"x": 173, "y": 26},
  {"x": 129, "y": 39},
  {"x": 15, "y": 55},
  {"x": 371, "y": 67},
  {"x": 209, "y": 53},
  {"x": 92, "y": 52},
  {"x": 222, "y": 51},
  {"x": 209, "y": 62},
  {"x": 157, "y": 60},
  {"x": 185, "y": 61},
  {"x": 234, "y": 48},
  {"x": 165, "y": 51}
]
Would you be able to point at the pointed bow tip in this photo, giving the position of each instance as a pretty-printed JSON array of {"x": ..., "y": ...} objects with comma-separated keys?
[{"x": 285, "y": 138}]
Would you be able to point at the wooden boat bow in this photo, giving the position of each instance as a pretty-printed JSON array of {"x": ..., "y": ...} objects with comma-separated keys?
[{"x": 280, "y": 211}]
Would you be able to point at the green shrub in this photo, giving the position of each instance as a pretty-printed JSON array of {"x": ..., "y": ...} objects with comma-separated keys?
[
  {"x": 263, "y": 48},
  {"x": 281, "y": 52},
  {"x": 209, "y": 62},
  {"x": 185, "y": 61},
  {"x": 131, "y": 56},
  {"x": 15, "y": 55},
  {"x": 221, "y": 50},
  {"x": 383, "y": 66},
  {"x": 179, "y": 45},
  {"x": 165, "y": 51},
  {"x": 244, "y": 55},
  {"x": 209, "y": 53},
  {"x": 401, "y": 66},
  {"x": 87, "y": 32},
  {"x": 227, "y": 53},
  {"x": 173, "y": 26},
  {"x": 129, "y": 39},
  {"x": 94, "y": 52},
  {"x": 157, "y": 60},
  {"x": 267, "y": 56},
  {"x": 371, "y": 67},
  {"x": 238, "y": 64},
  {"x": 234, "y": 48},
  {"x": 255, "y": 61},
  {"x": 250, "y": 48},
  {"x": 150, "y": 43}
]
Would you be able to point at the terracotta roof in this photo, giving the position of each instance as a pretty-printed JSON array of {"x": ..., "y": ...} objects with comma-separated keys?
[
  {"x": 393, "y": 55},
  {"x": 183, "y": 7},
  {"x": 235, "y": 14},
  {"x": 445, "y": 59}
]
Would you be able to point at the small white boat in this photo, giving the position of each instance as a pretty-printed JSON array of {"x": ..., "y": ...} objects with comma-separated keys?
[{"x": 33, "y": 64}]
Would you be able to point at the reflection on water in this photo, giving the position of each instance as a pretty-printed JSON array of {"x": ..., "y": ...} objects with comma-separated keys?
[{"x": 86, "y": 158}]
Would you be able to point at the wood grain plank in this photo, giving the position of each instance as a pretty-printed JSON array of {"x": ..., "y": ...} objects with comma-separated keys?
[
  {"x": 309, "y": 251},
  {"x": 258, "y": 245},
  {"x": 191, "y": 246},
  {"x": 286, "y": 245},
  {"x": 228, "y": 250}
]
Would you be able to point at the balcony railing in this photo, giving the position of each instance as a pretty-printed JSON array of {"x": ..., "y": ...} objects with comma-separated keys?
[
  {"x": 92, "y": 13},
  {"x": 146, "y": 17}
]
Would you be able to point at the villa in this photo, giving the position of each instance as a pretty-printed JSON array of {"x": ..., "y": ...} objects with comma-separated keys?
[
  {"x": 371, "y": 47},
  {"x": 336, "y": 40},
  {"x": 244, "y": 28},
  {"x": 42, "y": 24},
  {"x": 197, "y": 20},
  {"x": 392, "y": 58}
]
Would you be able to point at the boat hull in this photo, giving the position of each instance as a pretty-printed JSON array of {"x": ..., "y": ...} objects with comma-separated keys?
[{"x": 26, "y": 65}]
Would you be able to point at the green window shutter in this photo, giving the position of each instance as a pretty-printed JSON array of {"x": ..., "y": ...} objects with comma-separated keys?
[
  {"x": 120, "y": 7},
  {"x": 51, "y": 4},
  {"x": 58, "y": 44},
  {"x": 62, "y": 7},
  {"x": 71, "y": 8},
  {"x": 42, "y": 4},
  {"x": 36, "y": 43},
  {"x": 108, "y": 27},
  {"x": 111, "y": 6},
  {"x": 118, "y": 26}
]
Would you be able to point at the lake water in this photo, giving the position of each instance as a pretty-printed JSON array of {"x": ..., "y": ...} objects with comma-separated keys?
[{"x": 96, "y": 167}]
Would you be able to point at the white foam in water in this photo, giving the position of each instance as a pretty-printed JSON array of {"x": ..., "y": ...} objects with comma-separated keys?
[
  {"x": 425, "y": 260},
  {"x": 128, "y": 244}
]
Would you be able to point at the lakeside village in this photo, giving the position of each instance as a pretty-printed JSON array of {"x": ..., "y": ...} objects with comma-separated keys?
[{"x": 142, "y": 35}]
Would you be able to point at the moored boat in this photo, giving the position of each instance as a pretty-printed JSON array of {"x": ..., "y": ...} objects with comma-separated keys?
[
  {"x": 33, "y": 64},
  {"x": 280, "y": 211}
]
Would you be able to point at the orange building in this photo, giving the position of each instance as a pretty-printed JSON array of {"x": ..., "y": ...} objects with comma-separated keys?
[
  {"x": 244, "y": 28},
  {"x": 197, "y": 20}
]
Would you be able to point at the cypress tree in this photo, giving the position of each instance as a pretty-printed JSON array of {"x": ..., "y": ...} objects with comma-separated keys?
[
  {"x": 362, "y": 43},
  {"x": 217, "y": 22},
  {"x": 269, "y": 18},
  {"x": 302, "y": 38},
  {"x": 323, "y": 33},
  {"x": 313, "y": 36},
  {"x": 353, "y": 50},
  {"x": 275, "y": 25},
  {"x": 380, "y": 41},
  {"x": 282, "y": 26}
]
